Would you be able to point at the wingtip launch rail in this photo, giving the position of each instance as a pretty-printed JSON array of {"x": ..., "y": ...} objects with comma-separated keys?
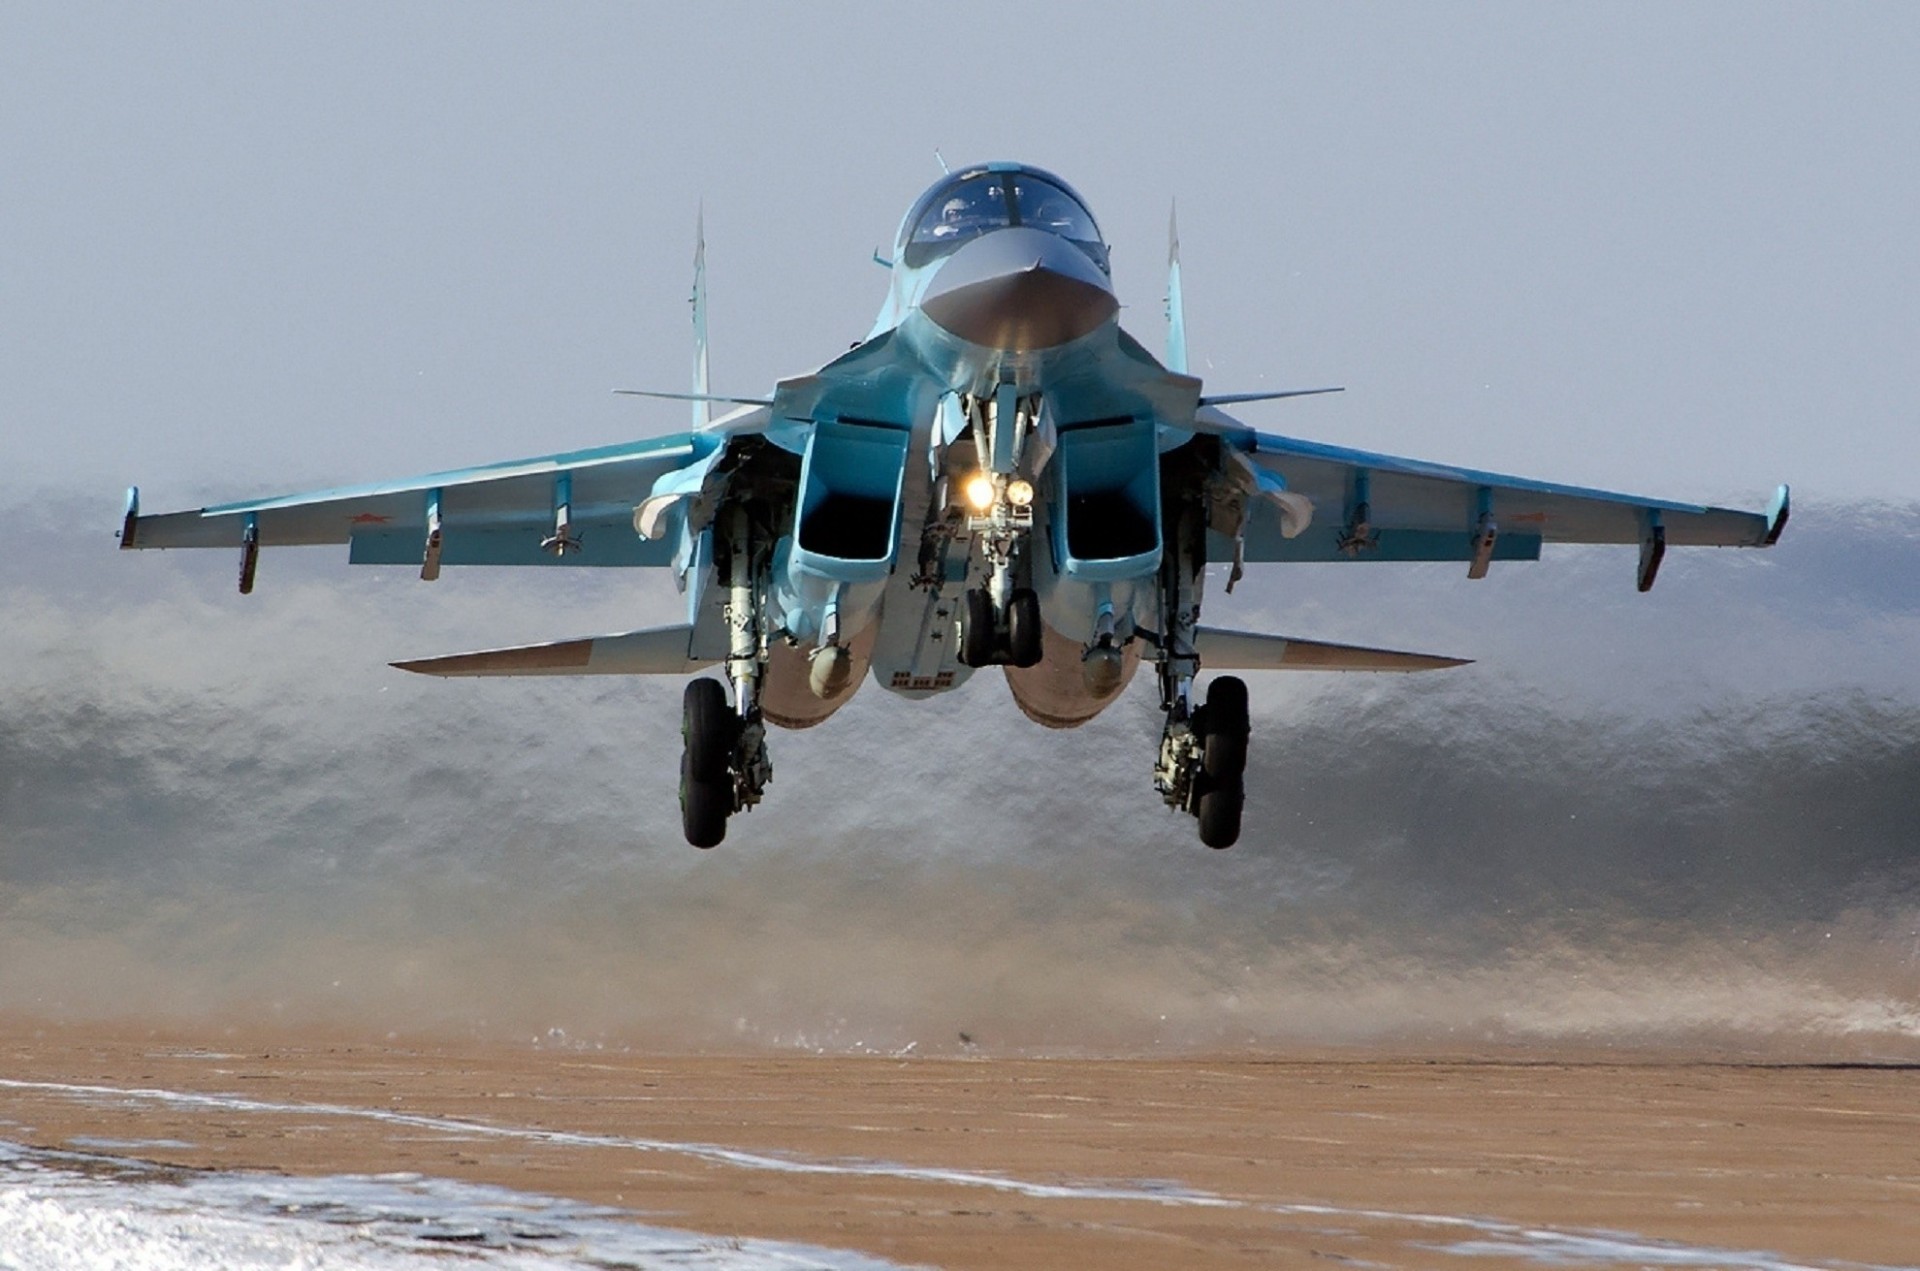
[{"x": 997, "y": 476}]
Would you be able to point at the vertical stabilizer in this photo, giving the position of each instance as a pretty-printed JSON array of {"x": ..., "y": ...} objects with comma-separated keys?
[
  {"x": 701, "y": 408},
  {"x": 1176, "y": 307}
]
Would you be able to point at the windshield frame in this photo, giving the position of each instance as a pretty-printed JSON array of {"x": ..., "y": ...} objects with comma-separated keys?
[
  {"x": 920, "y": 242},
  {"x": 964, "y": 208}
]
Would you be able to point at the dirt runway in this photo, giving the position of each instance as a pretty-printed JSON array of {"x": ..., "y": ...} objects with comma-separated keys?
[{"x": 1398, "y": 1161}]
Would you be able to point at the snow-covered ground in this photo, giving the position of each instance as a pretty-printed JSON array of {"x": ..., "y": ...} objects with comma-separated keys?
[{"x": 62, "y": 1211}]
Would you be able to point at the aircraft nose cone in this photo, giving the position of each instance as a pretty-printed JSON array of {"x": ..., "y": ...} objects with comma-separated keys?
[{"x": 1019, "y": 289}]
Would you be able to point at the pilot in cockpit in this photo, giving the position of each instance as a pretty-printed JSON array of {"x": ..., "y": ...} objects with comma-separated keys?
[
  {"x": 977, "y": 203},
  {"x": 953, "y": 214},
  {"x": 1049, "y": 211}
]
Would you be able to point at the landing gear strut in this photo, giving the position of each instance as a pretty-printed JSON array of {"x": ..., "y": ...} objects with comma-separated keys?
[
  {"x": 1203, "y": 749},
  {"x": 1001, "y": 620},
  {"x": 724, "y": 767}
]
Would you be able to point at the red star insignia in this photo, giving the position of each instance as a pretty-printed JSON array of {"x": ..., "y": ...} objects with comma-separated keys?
[{"x": 368, "y": 518}]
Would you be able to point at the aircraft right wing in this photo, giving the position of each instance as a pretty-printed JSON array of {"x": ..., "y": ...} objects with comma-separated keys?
[{"x": 573, "y": 508}]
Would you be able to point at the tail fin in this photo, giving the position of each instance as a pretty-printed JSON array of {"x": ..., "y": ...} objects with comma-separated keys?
[
  {"x": 701, "y": 407},
  {"x": 1176, "y": 307}
]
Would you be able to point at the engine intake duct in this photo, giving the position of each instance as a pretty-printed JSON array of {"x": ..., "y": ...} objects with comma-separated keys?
[
  {"x": 848, "y": 526},
  {"x": 849, "y": 512},
  {"x": 1107, "y": 507}
]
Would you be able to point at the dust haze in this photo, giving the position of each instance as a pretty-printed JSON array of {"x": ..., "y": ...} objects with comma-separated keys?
[{"x": 1688, "y": 818}]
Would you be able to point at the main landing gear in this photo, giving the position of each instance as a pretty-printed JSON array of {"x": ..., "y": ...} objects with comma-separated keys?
[
  {"x": 1203, "y": 750},
  {"x": 708, "y": 729},
  {"x": 724, "y": 767},
  {"x": 1222, "y": 728},
  {"x": 1203, "y": 761}
]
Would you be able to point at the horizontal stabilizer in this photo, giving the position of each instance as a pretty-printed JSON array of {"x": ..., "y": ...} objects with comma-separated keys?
[
  {"x": 693, "y": 397},
  {"x": 655, "y": 651},
  {"x": 1247, "y": 651},
  {"x": 1234, "y": 399}
]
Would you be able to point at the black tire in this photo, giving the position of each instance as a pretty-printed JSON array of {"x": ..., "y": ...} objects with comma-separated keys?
[
  {"x": 1023, "y": 628},
  {"x": 978, "y": 646},
  {"x": 1227, "y": 730},
  {"x": 1219, "y": 814},
  {"x": 704, "y": 807},
  {"x": 708, "y": 727}
]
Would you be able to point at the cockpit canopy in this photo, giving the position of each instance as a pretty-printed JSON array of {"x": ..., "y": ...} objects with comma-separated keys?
[{"x": 972, "y": 202}]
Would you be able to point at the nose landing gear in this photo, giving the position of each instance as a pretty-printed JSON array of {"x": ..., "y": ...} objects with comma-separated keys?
[
  {"x": 1000, "y": 623},
  {"x": 986, "y": 641}
]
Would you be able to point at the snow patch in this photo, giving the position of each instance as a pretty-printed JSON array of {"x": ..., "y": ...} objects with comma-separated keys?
[{"x": 62, "y": 1210}]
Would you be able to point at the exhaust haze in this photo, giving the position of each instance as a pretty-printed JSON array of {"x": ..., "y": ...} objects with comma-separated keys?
[{"x": 1682, "y": 818}]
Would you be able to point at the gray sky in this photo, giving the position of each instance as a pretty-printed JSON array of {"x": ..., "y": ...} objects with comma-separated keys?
[{"x": 247, "y": 247}]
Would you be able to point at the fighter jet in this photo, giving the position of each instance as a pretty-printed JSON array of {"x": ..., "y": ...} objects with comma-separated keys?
[{"x": 998, "y": 475}]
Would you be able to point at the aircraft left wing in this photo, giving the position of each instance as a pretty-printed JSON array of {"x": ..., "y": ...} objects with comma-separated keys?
[
  {"x": 1329, "y": 503},
  {"x": 574, "y": 508}
]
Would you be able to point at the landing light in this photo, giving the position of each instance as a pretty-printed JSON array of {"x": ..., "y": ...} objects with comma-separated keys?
[
  {"x": 979, "y": 491},
  {"x": 1019, "y": 492}
]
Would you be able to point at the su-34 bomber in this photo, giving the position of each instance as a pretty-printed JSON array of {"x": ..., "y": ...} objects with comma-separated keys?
[{"x": 999, "y": 475}]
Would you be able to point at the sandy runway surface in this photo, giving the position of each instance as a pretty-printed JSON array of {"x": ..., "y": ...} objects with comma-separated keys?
[{"x": 1390, "y": 1161}]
